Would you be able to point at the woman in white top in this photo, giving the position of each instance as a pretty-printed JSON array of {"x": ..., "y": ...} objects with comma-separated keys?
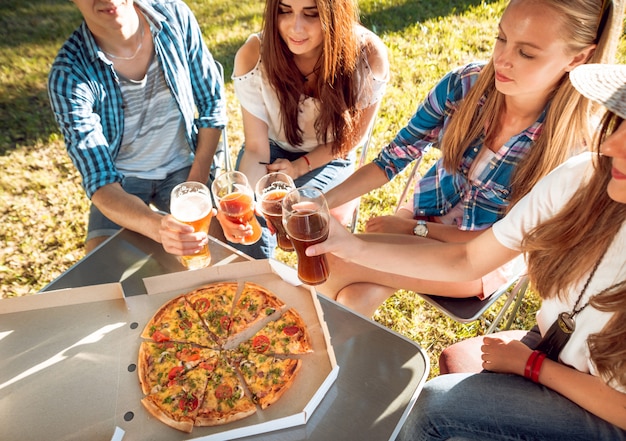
[
  {"x": 572, "y": 229},
  {"x": 309, "y": 86}
]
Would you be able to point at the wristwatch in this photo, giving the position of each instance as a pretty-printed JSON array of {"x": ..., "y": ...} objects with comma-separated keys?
[{"x": 421, "y": 229}]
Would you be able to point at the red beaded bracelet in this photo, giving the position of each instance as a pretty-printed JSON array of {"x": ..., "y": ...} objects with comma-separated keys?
[
  {"x": 529, "y": 364},
  {"x": 308, "y": 162},
  {"x": 534, "y": 375}
]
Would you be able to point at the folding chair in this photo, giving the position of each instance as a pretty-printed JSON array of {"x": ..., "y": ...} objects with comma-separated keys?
[
  {"x": 349, "y": 213},
  {"x": 221, "y": 159},
  {"x": 469, "y": 309}
]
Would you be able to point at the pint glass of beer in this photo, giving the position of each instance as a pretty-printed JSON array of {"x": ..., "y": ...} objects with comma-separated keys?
[
  {"x": 270, "y": 191},
  {"x": 236, "y": 200},
  {"x": 306, "y": 217},
  {"x": 191, "y": 204}
]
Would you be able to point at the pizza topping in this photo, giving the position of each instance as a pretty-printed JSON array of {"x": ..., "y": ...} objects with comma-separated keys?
[
  {"x": 201, "y": 305},
  {"x": 205, "y": 362},
  {"x": 175, "y": 372},
  {"x": 260, "y": 343},
  {"x": 223, "y": 391},
  {"x": 225, "y": 322},
  {"x": 159, "y": 336},
  {"x": 291, "y": 330},
  {"x": 188, "y": 403}
]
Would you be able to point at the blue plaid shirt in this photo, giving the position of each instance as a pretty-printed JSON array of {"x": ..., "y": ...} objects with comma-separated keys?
[
  {"x": 87, "y": 100},
  {"x": 437, "y": 192}
]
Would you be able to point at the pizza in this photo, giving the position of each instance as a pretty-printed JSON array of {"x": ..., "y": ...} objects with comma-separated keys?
[{"x": 218, "y": 354}]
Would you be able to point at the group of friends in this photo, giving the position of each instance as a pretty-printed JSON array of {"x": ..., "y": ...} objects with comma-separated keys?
[{"x": 533, "y": 164}]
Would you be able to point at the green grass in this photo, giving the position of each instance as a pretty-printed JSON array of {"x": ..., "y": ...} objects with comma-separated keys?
[{"x": 43, "y": 209}]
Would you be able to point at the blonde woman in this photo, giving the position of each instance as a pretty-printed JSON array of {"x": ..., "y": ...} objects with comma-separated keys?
[
  {"x": 500, "y": 127},
  {"x": 309, "y": 86},
  {"x": 572, "y": 228}
]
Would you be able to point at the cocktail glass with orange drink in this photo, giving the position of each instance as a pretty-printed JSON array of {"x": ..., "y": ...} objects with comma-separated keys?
[
  {"x": 236, "y": 201},
  {"x": 191, "y": 204}
]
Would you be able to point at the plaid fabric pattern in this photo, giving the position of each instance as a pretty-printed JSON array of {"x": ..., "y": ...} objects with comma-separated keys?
[
  {"x": 484, "y": 200},
  {"x": 88, "y": 104}
]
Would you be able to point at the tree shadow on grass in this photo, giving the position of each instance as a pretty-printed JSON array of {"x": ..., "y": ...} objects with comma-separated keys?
[{"x": 31, "y": 33}]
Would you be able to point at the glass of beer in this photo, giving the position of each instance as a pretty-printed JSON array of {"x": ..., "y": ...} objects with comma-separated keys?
[
  {"x": 270, "y": 191},
  {"x": 306, "y": 217},
  {"x": 236, "y": 200},
  {"x": 191, "y": 204}
]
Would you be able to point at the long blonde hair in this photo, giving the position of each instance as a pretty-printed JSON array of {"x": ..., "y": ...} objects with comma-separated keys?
[
  {"x": 336, "y": 84},
  {"x": 564, "y": 249},
  {"x": 566, "y": 127}
]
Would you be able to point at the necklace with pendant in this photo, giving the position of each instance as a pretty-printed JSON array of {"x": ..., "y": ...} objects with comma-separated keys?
[
  {"x": 139, "y": 46},
  {"x": 564, "y": 326}
]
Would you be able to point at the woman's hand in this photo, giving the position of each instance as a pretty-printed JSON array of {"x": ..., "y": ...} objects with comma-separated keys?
[
  {"x": 340, "y": 242},
  {"x": 504, "y": 355},
  {"x": 390, "y": 224},
  {"x": 234, "y": 232},
  {"x": 179, "y": 238},
  {"x": 285, "y": 166}
]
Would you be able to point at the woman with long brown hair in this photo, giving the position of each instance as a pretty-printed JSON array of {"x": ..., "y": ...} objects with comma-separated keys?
[
  {"x": 309, "y": 86},
  {"x": 571, "y": 226},
  {"x": 500, "y": 127}
]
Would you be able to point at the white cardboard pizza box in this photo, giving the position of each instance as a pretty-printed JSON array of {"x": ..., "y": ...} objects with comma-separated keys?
[
  {"x": 68, "y": 364},
  {"x": 317, "y": 374}
]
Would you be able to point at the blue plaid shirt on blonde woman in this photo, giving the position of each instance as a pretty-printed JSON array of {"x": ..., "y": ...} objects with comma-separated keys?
[{"x": 483, "y": 200}]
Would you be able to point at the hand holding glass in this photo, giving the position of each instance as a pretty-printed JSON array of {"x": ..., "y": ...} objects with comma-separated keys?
[
  {"x": 270, "y": 191},
  {"x": 306, "y": 219},
  {"x": 191, "y": 204},
  {"x": 236, "y": 201}
]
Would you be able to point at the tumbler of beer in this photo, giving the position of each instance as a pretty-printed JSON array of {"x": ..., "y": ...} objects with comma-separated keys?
[
  {"x": 236, "y": 200},
  {"x": 191, "y": 204},
  {"x": 306, "y": 217},
  {"x": 270, "y": 191}
]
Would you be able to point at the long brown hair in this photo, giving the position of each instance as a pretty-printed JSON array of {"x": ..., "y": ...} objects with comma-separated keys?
[
  {"x": 566, "y": 126},
  {"x": 564, "y": 249},
  {"x": 336, "y": 84}
]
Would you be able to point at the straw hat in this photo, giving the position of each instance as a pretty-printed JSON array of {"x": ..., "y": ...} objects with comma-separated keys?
[{"x": 602, "y": 83}]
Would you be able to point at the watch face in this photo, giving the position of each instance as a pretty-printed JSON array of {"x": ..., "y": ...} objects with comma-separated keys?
[{"x": 420, "y": 230}]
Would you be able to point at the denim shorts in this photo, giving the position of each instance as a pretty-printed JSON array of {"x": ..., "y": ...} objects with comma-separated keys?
[{"x": 155, "y": 192}]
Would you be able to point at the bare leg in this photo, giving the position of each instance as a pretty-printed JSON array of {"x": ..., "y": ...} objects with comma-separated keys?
[{"x": 364, "y": 289}]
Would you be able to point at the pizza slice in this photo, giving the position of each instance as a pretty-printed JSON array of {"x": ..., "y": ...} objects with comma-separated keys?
[
  {"x": 253, "y": 307},
  {"x": 224, "y": 399},
  {"x": 214, "y": 304},
  {"x": 177, "y": 321},
  {"x": 162, "y": 364},
  {"x": 268, "y": 377},
  {"x": 177, "y": 405},
  {"x": 286, "y": 335}
]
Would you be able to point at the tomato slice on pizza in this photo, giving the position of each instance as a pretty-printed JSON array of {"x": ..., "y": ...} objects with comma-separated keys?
[
  {"x": 225, "y": 399},
  {"x": 177, "y": 405},
  {"x": 286, "y": 335},
  {"x": 214, "y": 304},
  {"x": 178, "y": 322},
  {"x": 268, "y": 377}
]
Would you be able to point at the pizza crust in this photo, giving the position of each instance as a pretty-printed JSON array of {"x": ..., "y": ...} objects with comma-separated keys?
[{"x": 212, "y": 411}]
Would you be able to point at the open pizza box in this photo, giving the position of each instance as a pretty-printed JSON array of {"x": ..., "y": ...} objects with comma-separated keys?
[{"x": 78, "y": 377}]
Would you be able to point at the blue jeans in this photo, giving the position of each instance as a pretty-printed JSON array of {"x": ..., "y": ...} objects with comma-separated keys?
[
  {"x": 156, "y": 192},
  {"x": 490, "y": 406},
  {"x": 323, "y": 178}
]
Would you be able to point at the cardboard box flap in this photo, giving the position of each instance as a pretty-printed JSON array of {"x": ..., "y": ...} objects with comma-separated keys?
[{"x": 62, "y": 297}]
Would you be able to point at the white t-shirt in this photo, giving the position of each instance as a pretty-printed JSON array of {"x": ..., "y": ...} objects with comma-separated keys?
[
  {"x": 258, "y": 97},
  {"x": 544, "y": 201}
]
